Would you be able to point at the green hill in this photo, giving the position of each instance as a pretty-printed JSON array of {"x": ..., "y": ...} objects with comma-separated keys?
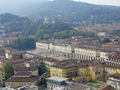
[{"x": 14, "y": 23}]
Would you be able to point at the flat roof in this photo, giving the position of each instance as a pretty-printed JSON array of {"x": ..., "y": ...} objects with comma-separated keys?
[{"x": 57, "y": 78}]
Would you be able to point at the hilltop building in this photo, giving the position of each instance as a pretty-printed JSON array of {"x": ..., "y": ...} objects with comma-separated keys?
[{"x": 46, "y": 20}]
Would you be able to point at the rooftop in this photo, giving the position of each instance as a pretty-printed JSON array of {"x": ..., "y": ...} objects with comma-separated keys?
[
  {"x": 26, "y": 69},
  {"x": 115, "y": 76},
  {"x": 23, "y": 73},
  {"x": 56, "y": 78},
  {"x": 109, "y": 87},
  {"x": 22, "y": 79}
]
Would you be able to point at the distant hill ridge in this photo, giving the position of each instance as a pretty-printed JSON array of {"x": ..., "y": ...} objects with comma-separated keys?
[{"x": 71, "y": 11}]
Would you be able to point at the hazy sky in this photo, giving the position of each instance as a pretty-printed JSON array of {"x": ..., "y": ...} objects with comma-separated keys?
[
  {"x": 19, "y": 1},
  {"x": 102, "y": 2}
]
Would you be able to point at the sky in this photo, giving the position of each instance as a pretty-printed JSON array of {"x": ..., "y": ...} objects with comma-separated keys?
[
  {"x": 19, "y": 1},
  {"x": 12, "y": 5},
  {"x": 102, "y": 2}
]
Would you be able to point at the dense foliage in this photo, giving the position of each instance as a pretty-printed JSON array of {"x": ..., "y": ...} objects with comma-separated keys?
[
  {"x": 27, "y": 40},
  {"x": 71, "y": 11},
  {"x": 13, "y": 23},
  {"x": 22, "y": 43},
  {"x": 57, "y": 31},
  {"x": 105, "y": 40},
  {"x": 42, "y": 82},
  {"x": 40, "y": 29},
  {"x": 68, "y": 34},
  {"x": 9, "y": 69}
]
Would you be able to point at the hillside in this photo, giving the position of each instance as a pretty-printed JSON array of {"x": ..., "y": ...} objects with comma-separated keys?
[
  {"x": 28, "y": 31},
  {"x": 71, "y": 11},
  {"x": 14, "y": 23}
]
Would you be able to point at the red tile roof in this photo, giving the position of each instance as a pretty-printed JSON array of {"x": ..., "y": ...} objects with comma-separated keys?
[
  {"x": 22, "y": 79},
  {"x": 1, "y": 69},
  {"x": 109, "y": 87}
]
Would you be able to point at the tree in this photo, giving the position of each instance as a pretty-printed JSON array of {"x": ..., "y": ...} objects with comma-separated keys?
[
  {"x": 106, "y": 40},
  {"x": 40, "y": 70},
  {"x": 115, "y": 40},
  {"x": 38, "y": 33},
  {"x": 33, "y": 37},
  {"x": 9, "y": 69},
  {"x": 56, "y": 35},
  {"x": 21, "y": 37},
  {"x": 26, "y": 43},
  {"x": 42, "y": 82},
  {"x": 47, "y": 36},
  {"x": 4, "y": 43}
]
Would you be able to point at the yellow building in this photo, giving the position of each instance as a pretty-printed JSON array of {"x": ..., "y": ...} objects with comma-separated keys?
[
  {"x": 67, "y": 71},
  {"x": 2, "y": 76},
  {"x": 90, "y": 73},
  {"x": 84, "y": 72},
  {"x": 83, "y": 69},
  {"x": 97, "y": 72},
  {"x": 71, "y": 69}
]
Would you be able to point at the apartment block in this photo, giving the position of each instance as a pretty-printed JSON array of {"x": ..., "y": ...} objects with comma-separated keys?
[
  {"x": 114, "y": 80},
  {"x": 2, "y": 76},
  {"x": 21, "y": 81},
  {"x": 32, "y": 70},
  {"x": 48, "y": 62},
  {"x": 83, "y": 69}
]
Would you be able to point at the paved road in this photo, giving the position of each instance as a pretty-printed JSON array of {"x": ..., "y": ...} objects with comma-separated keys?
[{"x": 37, "y": 52}]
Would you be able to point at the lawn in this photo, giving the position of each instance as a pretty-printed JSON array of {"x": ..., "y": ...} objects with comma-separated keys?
[{"x": 94, "y": 84}]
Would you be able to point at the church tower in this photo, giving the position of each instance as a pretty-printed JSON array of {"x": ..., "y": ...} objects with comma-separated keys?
[{"x": 46, "y": 20}]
